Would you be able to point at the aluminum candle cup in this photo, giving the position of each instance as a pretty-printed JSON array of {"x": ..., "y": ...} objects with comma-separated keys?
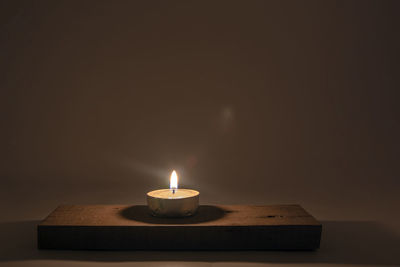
[{"x": 173, "y": 202}]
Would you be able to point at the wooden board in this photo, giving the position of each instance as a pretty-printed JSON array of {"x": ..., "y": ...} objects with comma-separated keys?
[{"x": 123, "y": 227}]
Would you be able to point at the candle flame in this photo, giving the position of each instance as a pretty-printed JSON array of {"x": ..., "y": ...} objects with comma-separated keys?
[{"x": 173, "y": 182}]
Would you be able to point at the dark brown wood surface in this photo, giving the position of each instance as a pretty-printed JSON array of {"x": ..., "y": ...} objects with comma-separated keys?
[{"x": 114, "y": 227}]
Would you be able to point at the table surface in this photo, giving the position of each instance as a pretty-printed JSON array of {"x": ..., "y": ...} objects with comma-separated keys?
[
  {"x": 207, "y": 215},
  {"x": 213, "y": 227},
  {"x": 345, "y": 241}
]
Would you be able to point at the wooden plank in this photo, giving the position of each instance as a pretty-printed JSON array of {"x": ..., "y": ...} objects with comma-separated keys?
[{"x": 219, "y": 227}]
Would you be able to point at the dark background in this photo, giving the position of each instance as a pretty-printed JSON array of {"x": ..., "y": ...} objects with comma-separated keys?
[{"x": 252, "y": 102}]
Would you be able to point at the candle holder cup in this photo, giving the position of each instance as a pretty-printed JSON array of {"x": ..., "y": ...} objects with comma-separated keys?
[{"x": 173, "y": 207}]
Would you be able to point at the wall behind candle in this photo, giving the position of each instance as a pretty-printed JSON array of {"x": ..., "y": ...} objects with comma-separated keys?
[{"x": 250, "y": 101}]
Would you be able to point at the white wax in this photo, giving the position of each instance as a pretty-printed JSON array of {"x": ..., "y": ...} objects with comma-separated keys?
[{"x": 169, "y": 194}]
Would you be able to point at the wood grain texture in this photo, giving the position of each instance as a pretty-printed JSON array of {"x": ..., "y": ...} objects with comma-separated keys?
[{"x": 219, "y": 227}]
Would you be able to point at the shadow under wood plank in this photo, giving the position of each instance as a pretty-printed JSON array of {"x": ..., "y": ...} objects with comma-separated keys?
[{"x": 351, "y": 242}]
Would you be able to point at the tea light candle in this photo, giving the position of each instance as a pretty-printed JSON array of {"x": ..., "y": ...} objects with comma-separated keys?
[{"x": 173, "y": 202}]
